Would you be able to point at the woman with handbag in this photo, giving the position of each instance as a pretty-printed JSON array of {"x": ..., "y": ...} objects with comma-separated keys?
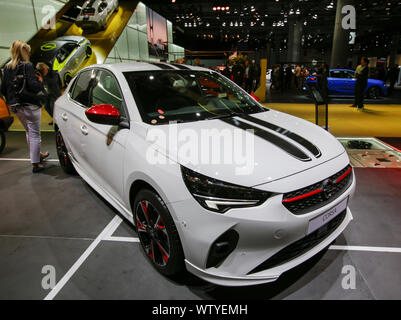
[{"x": 22, "y": 89}]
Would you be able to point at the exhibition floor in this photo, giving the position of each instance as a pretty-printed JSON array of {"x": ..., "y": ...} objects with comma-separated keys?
[
  {"x": 376, "y": 120},
  {"x": 58, "y": 220}
]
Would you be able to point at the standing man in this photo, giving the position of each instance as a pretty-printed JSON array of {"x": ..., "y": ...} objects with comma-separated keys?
[
  {"x": 322, "y": 76},
  {"x": 297, "y": 74},
  {"x": 250, "y": 76},
  {"x": 361, "y": 75},
  {"x": 51, "y": 81},
  {"x": 238, "y": 71},
  {"x": 288, "y": 77}
]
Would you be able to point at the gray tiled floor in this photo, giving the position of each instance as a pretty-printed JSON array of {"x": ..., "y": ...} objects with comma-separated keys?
[{"x": 52, "y": 218}]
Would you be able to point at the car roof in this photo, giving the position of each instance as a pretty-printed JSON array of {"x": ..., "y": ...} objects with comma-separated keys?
[{"x": 148, "y": 66}]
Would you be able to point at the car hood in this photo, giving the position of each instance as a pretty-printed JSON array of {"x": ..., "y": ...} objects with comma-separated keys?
[{"x": 279, "y": 146}]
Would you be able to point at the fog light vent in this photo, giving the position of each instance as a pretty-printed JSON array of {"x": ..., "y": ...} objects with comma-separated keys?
[{"x": 221, "y": 248}]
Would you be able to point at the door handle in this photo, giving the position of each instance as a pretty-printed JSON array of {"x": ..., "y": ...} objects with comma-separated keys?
[
  {"x": 84, "y": 130},
  {"x": 64, "y": 116}
]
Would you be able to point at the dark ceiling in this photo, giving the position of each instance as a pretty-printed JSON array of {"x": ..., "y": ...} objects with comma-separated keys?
[{"x": 250, "y": 25}]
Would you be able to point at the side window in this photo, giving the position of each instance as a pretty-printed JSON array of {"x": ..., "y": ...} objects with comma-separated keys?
[
  {"x": 350, "y": 74},
  {"x": 107, "y": 91},
  {"x": 82, "y": 87},
  {"x": 65, "y": 51},
  {"x": 102, "y": 6},
  {"x": 337, "y": 74}
]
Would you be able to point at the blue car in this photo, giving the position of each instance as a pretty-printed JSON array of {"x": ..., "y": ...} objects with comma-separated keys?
[{"x": 341, "y": 82}]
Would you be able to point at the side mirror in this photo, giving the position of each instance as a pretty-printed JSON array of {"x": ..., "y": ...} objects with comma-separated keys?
[{"x": 104, "y": 114}]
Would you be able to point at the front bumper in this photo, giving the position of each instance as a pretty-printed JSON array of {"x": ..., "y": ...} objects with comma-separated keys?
[{"x": 263, "y": 231}]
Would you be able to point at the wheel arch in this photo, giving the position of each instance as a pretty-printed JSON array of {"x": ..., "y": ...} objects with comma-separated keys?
[
  {"x": 380, "y": 91},
  {"x": 137, "y": 186}
]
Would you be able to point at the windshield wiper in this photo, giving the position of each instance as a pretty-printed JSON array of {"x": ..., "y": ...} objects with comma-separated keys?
[{"x": 227, "y": 115}]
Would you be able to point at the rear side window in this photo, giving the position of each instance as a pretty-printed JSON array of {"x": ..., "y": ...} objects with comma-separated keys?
[{"x": 81, "y": 91}]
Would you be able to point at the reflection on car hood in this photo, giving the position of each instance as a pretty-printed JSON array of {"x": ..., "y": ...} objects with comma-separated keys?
[
  {"x": 376, "y": 82},
  {"x": 282, "y": 145}
]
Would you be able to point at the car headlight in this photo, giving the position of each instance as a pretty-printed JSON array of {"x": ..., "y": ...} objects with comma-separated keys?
[{"x": 220, "y": 196}]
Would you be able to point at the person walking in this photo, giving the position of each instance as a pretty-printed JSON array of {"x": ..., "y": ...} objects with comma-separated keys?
[
  {"x": 25, "y": 102},
  {"x": 51, "y": 82},
  {"x": 361, "y": 75}
]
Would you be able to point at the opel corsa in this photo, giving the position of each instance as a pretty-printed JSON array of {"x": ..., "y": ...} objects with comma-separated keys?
[{"x": 228, "y": 227}]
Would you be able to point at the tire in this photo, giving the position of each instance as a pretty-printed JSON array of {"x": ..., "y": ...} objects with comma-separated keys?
[
  {"x": 374, "y": 92},
  {"x": 2, "y": 140},
  {"x": 157, "y": 233},
  {"x": 88, "y": 52},
  {"x": 67, "y": 79},
  {"x": 63, "y": 156}
]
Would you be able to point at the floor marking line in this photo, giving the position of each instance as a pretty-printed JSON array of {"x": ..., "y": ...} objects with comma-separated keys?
[
  {"x": 43, "y": 237},
  {"x": 365, "y": 248},
  {"x": 111, "y": 227},
  {"x": 121, "y": 239},
  {"x": 19, "y": 159}
]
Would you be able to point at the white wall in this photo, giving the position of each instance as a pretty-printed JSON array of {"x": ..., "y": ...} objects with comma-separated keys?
[{"x": 20, "y": 20}]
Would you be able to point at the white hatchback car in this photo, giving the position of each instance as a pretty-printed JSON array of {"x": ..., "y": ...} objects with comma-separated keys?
[
  {"x": 95, "y": 14},
  {"x": 227, "y": 225}
]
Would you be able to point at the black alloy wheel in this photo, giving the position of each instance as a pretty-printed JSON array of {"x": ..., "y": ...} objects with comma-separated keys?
[
  {"x": 67, "y": 79},
  {"x": 62, "y": 154},
  {"x": 88, "y": 52},
  {"x": 373, "y": 92},
  {"x": 157, "y": 233},
  {"x": 2, "y": 140}
]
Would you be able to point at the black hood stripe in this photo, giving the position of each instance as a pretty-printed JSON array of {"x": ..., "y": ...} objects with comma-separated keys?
[
  {"x": 162, "y": 66},
  {"x": 180, "y": 66},
  {"x": 293, "y": 136},
  {"x": 270, "y": 137}
]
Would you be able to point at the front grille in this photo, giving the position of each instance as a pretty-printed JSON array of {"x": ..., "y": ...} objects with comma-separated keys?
[
  {"x": 319, "y": 194},
  {"x": 301, "y": 246}
]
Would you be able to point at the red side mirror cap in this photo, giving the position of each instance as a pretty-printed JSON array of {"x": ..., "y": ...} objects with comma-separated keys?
[{"x": 103, "y": 114}]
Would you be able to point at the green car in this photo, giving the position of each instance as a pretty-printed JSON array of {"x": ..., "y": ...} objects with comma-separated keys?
[{"x": 65, "y": 55}]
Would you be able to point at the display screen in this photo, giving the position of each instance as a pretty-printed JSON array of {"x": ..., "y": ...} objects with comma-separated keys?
[{"x": 157, "y": 34}]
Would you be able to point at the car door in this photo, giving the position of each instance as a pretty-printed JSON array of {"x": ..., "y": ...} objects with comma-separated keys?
[
  {"x": 349, "y": 82},
  {"x": 65, "y": 56},
  {"x": 104, "y": 145},
  {"x": 73, "y": 115},
  {"x": 336, "y": 82}
]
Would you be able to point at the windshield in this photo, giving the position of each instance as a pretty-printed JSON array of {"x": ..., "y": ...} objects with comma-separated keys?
[{"x": 186, "y": 95}]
